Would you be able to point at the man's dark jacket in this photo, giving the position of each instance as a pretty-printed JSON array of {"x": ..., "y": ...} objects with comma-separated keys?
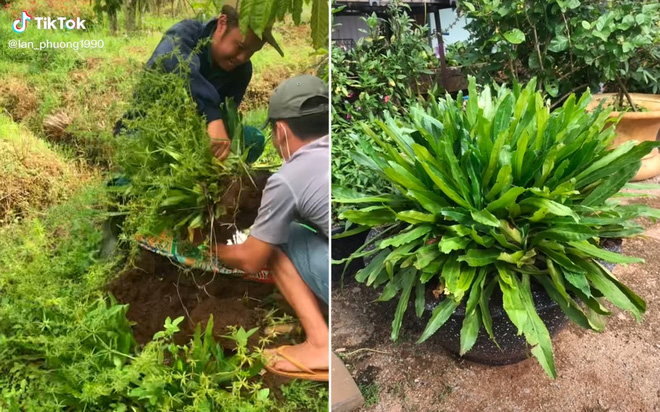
[{"x": 209, "y": 84}]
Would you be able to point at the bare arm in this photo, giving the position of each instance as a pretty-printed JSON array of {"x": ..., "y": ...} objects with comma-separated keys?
[{"x": 250, "y": 256}]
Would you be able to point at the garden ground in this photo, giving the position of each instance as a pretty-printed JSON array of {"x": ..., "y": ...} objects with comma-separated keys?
[{"x": 616, "y": 370}]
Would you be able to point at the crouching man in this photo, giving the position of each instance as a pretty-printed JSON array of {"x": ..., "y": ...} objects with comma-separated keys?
[{"x": 290, "y": 234}]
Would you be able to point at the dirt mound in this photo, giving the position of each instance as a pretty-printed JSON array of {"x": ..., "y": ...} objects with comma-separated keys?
[
  {"x": 32, "y": 176},
  {"x": 157, "y": 289}
]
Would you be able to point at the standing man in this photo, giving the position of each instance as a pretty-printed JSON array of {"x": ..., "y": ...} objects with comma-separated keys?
[
  {"x": 290, "y": 234},
  {"x": 220, "y": 67}
]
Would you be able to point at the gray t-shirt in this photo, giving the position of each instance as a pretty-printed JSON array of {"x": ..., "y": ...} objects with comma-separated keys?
[{"x": 298, "y": 191}]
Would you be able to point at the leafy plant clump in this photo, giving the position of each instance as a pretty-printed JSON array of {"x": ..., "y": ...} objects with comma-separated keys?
[
  {"x": 503, "y": 194},
  {"x": 170, "y": 180}
]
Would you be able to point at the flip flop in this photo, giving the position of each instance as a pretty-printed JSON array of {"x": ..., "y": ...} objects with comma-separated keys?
[{"x": 321, "y": 375}]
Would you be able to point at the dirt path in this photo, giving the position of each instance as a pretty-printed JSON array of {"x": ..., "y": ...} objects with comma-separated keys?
[{"x": 617, "y": 370}]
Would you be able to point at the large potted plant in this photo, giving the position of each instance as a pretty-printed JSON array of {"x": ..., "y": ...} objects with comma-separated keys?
[{"x": 504, "y": 195}]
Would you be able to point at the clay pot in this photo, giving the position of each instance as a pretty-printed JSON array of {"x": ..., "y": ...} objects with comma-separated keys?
[{"x": 638, "y": 126}]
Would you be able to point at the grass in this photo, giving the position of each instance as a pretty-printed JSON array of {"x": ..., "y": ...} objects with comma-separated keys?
[
  {"x": 83, "y": 92},
  {"x": 34, "y": 175},
  {"x": 370, "y": 392}
]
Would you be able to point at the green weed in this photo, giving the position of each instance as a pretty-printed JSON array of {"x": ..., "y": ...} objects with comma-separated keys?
[{"x": 371, "y": 393}]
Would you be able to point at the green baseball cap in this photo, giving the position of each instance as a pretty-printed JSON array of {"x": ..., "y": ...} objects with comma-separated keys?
[{"x": 292, "y": 98}]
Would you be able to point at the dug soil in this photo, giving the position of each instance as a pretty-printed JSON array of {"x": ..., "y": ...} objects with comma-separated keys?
[
  {"x": 157, "y": 289},
  {"x": 617, "y": 370},
  {"x": 241, "y": 202}
]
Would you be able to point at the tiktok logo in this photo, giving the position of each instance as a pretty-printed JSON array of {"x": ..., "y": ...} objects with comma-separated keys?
[{"x": 22, "y": 22}]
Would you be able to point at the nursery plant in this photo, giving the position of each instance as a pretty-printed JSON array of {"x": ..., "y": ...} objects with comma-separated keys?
[
  {"x": 502, "y": 194},
  {"x": 372, "y": 79}
]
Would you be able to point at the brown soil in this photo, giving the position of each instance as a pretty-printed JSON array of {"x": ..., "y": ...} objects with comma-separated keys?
[
  {"x": 244, "y": 198},
  {"x": 616, "y": 370},
  {"x": 157, "y": 289}
]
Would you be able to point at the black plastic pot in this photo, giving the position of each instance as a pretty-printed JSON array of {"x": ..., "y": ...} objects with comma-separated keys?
[
  {"x": 342, "y": 248},
  {"x": 513, "y": 348}
]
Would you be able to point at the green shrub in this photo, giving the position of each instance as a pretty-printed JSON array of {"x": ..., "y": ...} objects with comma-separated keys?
[
  {"x": 568, "y": 45},
  {"x": 373, "y": 79}
]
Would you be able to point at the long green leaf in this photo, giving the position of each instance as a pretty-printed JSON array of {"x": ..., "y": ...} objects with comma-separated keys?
[
  {"x": 599, "y": 253},
  {"x": 479, "y": 257},
  {"x": 440, "y": 315},
  {"x": 409, "y": 276},
  {"x": 472, "y": 321},
  {"x": 406, "y": 237},
  {"x": 506, "y": 199},
  {"x": 551, "y": 206},
  {"x": 519, "y": 306},
  {"x": 615, "y": 291},
  {"x": 485, "y": 218},
  {"x": 429, "y": 200},
  {"x": 375, "y": 265},
  {"x": 371, "y": 216},
  {"x": 449, "y": 244},
  {"x": 444, "y": 184},
  {"x": 420, "y": 298}
]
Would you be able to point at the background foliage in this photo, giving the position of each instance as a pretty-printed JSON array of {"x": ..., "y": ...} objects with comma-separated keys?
[
  {"x": 374, "y": 79},
  {"x": 569, "y": 45}
]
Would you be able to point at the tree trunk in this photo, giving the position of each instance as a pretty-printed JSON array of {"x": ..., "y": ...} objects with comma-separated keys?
[{"x": 131, "y": 10}]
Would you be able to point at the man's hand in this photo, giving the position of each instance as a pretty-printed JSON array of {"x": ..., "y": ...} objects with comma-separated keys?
[{"x": 220, "y": 142}]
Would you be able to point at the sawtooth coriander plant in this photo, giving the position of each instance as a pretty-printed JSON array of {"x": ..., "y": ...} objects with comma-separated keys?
[
  {"x": 173, "y": 183},
  {"x": 500, "y": 194}
]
